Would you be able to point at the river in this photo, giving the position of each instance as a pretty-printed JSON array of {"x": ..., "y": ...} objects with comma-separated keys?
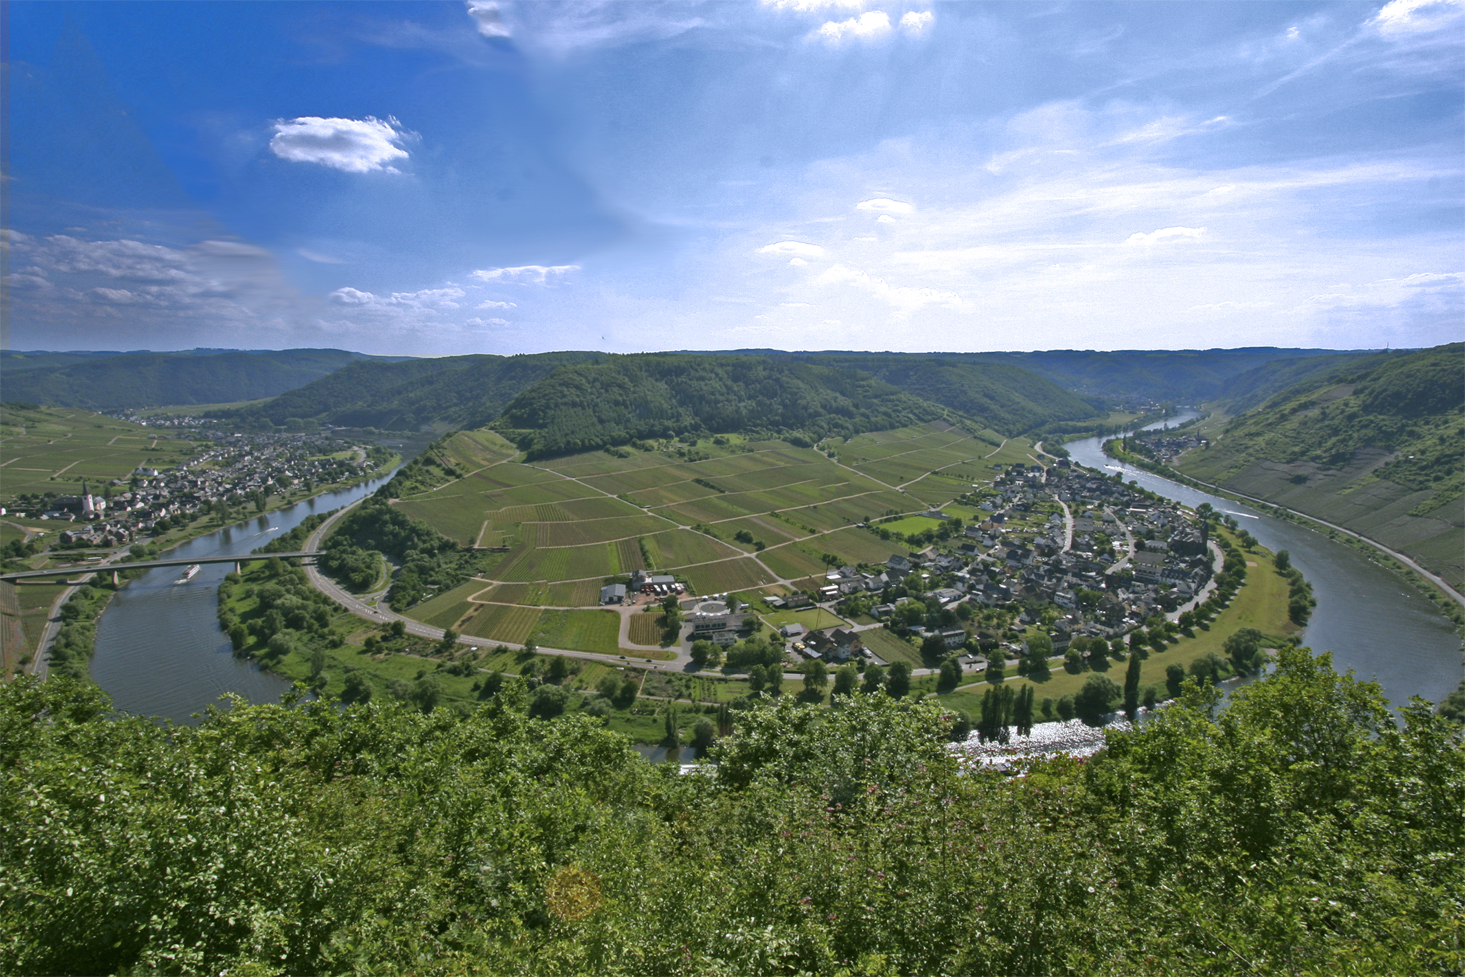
[
  {"x": 1370, "y": 619},
  {"x": 160, "y": 650}
]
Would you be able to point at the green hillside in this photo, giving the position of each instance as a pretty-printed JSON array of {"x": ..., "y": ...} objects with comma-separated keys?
[
  {"x": 105, "y": 382},
  {"x": 446, "y": 392},
  {"x": 1379, "y": 450},
  {"x": 589, "y": 406},
  {"x": 1007, "y": 398}
]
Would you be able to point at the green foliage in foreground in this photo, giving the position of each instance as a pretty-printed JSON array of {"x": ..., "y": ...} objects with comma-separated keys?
[{"x": 1298, "y": 831}]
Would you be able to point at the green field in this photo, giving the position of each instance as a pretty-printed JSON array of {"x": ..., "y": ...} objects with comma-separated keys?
[
  {"x": 813, "y": 618},
  {"x": 572, "y": 522},
  {"x": 891, "y": 646},
  {"x": 594, "y": 631},
  {"x": 53, "y": 449}
]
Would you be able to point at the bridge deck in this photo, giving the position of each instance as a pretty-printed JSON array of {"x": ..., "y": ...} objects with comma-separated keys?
[{"x": 148, "y": 564}]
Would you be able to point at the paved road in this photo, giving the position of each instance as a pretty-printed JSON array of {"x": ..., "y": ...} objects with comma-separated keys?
[{"x": 378, "y": 614}]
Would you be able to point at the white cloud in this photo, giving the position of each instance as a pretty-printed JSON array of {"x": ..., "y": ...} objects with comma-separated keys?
[
  {"x": 1417, "y": 16},
  {"x": 917, "y": 21},
  {"x": 1164, "y": 234},
  {"x": 814, "y": 6},
  {"x": 884, "y": 205},
  {"x": 485, "y": 14},
  {"x": 526, "y": 274},
  {"x": 352, "y": 145},
  {"x": 475, "y": 321},
  {"x": 351, "y": 296},
  {"x": 904, "y": 299},
  {"x": 886, "y": 219},
  {"x": 426, "y": 300},
  {"x": 491, "y": 304},
  {"x": 869, "y": 26},
  {"x": 796, "y": 248},
  {"x": 317, "y": 257},
  {"x": 797, "y": 262}
]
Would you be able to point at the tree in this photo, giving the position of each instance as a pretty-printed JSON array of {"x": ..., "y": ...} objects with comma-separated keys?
[
  {"x": 1131, "y": 688},
  {"x": 846, "y": 679},
  {"x": 1022, "y": 711},
  {"x": 950, "y": 676},
  {"x": 609, "y": 685},
  {"x": 1096, "y": 699},
  {"x": 1282, "y": 560},
  {"x": 449, "y": 639},
  {"x": 704, "y": 733},
  {"x": 1066, "y": 708},
  {"x": 816, "y": 679},
  {"x": 997, "y": 703},
  {"x": 358, "y": 688},
  {"x": 626, "y": 697},
  {"x": 1244, "y": 648},
  {"x": 997, "y": 668},
  {"x": 1174, "y": 676},
  {"x": 559, "y": 669},
  {"x": 933, "y": 649},
  {"x": 757, "y": 678},
  {"x": 899, "y": 682},
  {"x": 775, "y": 678},
  {"x": 874, "y": 679},
  {"x": 427, "y": 692},
  {"x": 705, "y": 654},
  {"x": 548, "y": 701}
]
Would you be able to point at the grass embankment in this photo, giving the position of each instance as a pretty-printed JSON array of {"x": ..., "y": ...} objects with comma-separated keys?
[{"x": 1261, "y": 603}]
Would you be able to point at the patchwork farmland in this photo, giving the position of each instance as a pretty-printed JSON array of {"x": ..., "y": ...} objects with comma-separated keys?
[{"x": 725, "y": 515}]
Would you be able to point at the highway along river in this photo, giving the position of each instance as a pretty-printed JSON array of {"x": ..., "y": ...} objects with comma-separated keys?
[
  {"x": 1373, "y": 621},
  {"x": 160, "y": 650}
]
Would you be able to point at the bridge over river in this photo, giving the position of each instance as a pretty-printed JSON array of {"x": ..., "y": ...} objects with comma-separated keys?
[{"x": 149, "y": 564}]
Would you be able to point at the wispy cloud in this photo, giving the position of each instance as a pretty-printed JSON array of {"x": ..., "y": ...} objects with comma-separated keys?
[
  {"x": 353, "y": 145},
  {"x": 1164, "y": 234},
  {"x": 526, "y": 274},
  {"x": 486, "y": 18}
]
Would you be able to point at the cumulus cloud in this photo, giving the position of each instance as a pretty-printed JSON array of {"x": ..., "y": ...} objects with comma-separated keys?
[
  {"x": 1164, "y": 234},
  {"x": 796, "y": 248},
  {"x": 1417, "y": 16},
  {"x": 885, "y": 219},
  {"x": 485, "y": 14},
  {"x": 870, "y": 26},
  {"x": 491, "y": 304},
  {"x": 366, "y": 145},
  {"x": 917, "y": 21},
  {"x": 884, "y": 205},
  {"x": 475, "y": 321},
  {"x": 526, "y": 274}
]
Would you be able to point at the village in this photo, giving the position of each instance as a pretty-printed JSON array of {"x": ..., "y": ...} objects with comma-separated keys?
[
  {"x": 234, "y": 475},
  {"x": 1064, "y": 553}
]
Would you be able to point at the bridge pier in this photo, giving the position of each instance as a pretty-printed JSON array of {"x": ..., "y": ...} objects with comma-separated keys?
[{"x": 115, "y": 581}]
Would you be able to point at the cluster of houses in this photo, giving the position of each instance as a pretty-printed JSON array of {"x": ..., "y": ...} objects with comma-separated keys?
[
  {"x": 1098, "y": 588},
  {"x": 230, "y": 472}
]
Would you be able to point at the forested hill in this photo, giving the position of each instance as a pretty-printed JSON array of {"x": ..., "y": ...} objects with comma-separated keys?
[
  {"x": 1380, "y": 450},
  {"x": 443, "y": 393},
  {"x": 1187, "y": 376},
  {"x": 1008, "y": 398},
  {"x": 106, "y": 381},
  {"x": 593, "y": 405}
]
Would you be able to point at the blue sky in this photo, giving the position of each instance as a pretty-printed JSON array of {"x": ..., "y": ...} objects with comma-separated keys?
[{"x": 439, "y": 178}]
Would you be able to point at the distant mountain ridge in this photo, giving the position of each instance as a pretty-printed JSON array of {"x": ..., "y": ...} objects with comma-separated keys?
[
  {"x": 106, "y": 381},
  {"x": 1188, "y": 376}
]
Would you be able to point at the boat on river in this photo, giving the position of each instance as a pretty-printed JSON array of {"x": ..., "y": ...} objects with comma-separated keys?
[{"x": 189, "y": 573}]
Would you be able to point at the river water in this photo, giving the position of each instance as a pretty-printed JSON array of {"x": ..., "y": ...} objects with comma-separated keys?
[
  {"x": 1370, "y": 619},
  {"x": 160, "y": 650}
]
